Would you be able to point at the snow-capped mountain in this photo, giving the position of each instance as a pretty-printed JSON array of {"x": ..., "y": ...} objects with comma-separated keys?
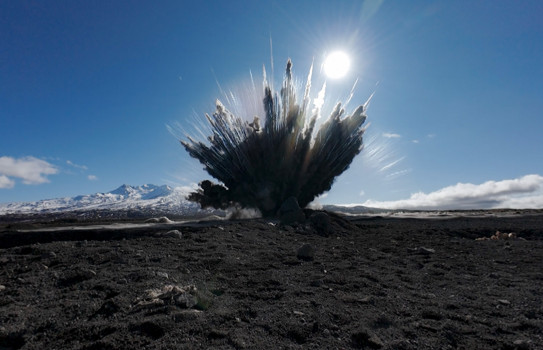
[{"x": 164, "y": 199}]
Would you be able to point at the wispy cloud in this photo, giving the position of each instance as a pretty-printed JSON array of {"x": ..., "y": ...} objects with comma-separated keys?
[
  {"x": 82, "y": 167},
  {"x": 30, "y": 170},
  {"x": 522, "y": 193},
  {"x": 92, "y": 177},
  {"x": 389, "y": 135}
]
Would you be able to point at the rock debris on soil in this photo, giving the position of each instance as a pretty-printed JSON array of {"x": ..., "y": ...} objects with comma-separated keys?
[{"x": 362, "y": 283}]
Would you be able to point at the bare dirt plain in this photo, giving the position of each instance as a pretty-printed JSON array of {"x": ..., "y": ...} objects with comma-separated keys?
[{"x": 372, "y": 283}]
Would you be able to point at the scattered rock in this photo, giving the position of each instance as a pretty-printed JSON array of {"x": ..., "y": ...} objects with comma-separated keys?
[
  {"x": 422, "y": 250},
  {"x": 306, "y": 252},
  {"x": 75, "y": 276},
  {"x": 363, "y": 339},
  {"x": 108, "y": 308},
  {"x": 521, "y": 344},
  {"x": 186, "y": 301},
  {"x": 499, "y": 236},
  {"x": 364, "y": 289},
  {"x": 320, "y": 221},
  {"x": 290, "y": 212},
  {"x": 186, "y": 315},
  {"x": 49, "y": 255},
  {"x": 316, "y": 283},
  {"x": 298, "y": 332},
  {"x": 217, "y": 334},
  {"x": 149, "y": 329},
  {"x": 182, "y": 296},
  {"x": 162, "y": 274},
  {"x": 160, "y": 220},
  {"x": 170, "y": 234}
]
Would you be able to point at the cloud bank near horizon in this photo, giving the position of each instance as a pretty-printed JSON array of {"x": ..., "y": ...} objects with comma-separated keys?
[
  {"x": 525, "y": 192},
  {"x": 30, "y": 170}
]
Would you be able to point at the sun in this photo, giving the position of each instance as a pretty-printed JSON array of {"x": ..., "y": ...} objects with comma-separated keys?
[{"x": 336, "y": 65}]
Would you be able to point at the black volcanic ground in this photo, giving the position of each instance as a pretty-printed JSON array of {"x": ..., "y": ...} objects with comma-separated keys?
[{"x": 359, "y": 283}]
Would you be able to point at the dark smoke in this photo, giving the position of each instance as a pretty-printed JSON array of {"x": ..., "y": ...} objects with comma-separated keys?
[{"x": 261, "y": 166}]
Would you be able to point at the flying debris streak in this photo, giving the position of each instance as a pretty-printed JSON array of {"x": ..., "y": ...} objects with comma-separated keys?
[
  {"x": 261, "y": 166},
  {"x": 391, "y": 164}
]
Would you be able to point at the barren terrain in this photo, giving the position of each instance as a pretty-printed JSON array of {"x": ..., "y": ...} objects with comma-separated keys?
[{"x": 358, "y": 282}]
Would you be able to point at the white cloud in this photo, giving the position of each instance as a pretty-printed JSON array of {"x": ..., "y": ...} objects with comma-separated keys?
[
  {"x": 521, "y": 193},
  {"x": 6, "y": 182},
  {"x": 362, "y": 193},
  {"x": 29, "y": 169},
  {"x": 415, "y": 141},
  {"x": 389, "y": 135},
  {"x": 92, "y": 177}
]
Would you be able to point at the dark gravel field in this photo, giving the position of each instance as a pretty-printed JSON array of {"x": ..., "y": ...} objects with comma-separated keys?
[{"x": 333, "y": 283}]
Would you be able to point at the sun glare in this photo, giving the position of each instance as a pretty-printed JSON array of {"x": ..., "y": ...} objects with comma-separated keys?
[{"x": 336, "y": 64}]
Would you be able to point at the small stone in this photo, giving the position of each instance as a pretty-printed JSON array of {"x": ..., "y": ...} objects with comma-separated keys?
[
  {"x": 366, "y": 300},
  {"x": 160, "y": 220},
  {"x": 217, "y": 334},
  {"x": 426, "y": 251},
  {"x": 316, "y": 283},
  {"x": 186, "y": 301},
  {"x": 521, "y": 344},
  {"x": 290, "y": 212},
  {"x": 69, "y": 278},
  {"x": 173, "y": 234},
  {"x": 49, "y": 255},
  {"x": 364, "y": 339},
  {"x": 162, "y": 274},
  {"x": 306, "y": 252},
  {"x": 320, "y": 221},
  {"x": 422, "y": 250},
  {"x": 108, "y": 308},
  {"x": 2, "y": 287},
  {"x": 169, "y": 234},
  {"x": 504, "y": 302}
]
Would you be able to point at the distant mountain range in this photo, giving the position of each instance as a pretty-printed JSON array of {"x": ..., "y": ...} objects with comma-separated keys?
[
  {"x": 162, "y": 199},
  {"x": 145, "y": 200}
]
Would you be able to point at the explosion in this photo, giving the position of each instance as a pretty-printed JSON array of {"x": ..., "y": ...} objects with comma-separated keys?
[{"x": 262, "y": 166}]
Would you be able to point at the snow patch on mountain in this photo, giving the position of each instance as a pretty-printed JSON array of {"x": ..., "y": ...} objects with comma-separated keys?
[{"x": 146, "y": 197}]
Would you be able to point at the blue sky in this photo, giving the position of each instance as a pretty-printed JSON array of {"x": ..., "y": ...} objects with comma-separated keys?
[{"x": 88, "y": 89}]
